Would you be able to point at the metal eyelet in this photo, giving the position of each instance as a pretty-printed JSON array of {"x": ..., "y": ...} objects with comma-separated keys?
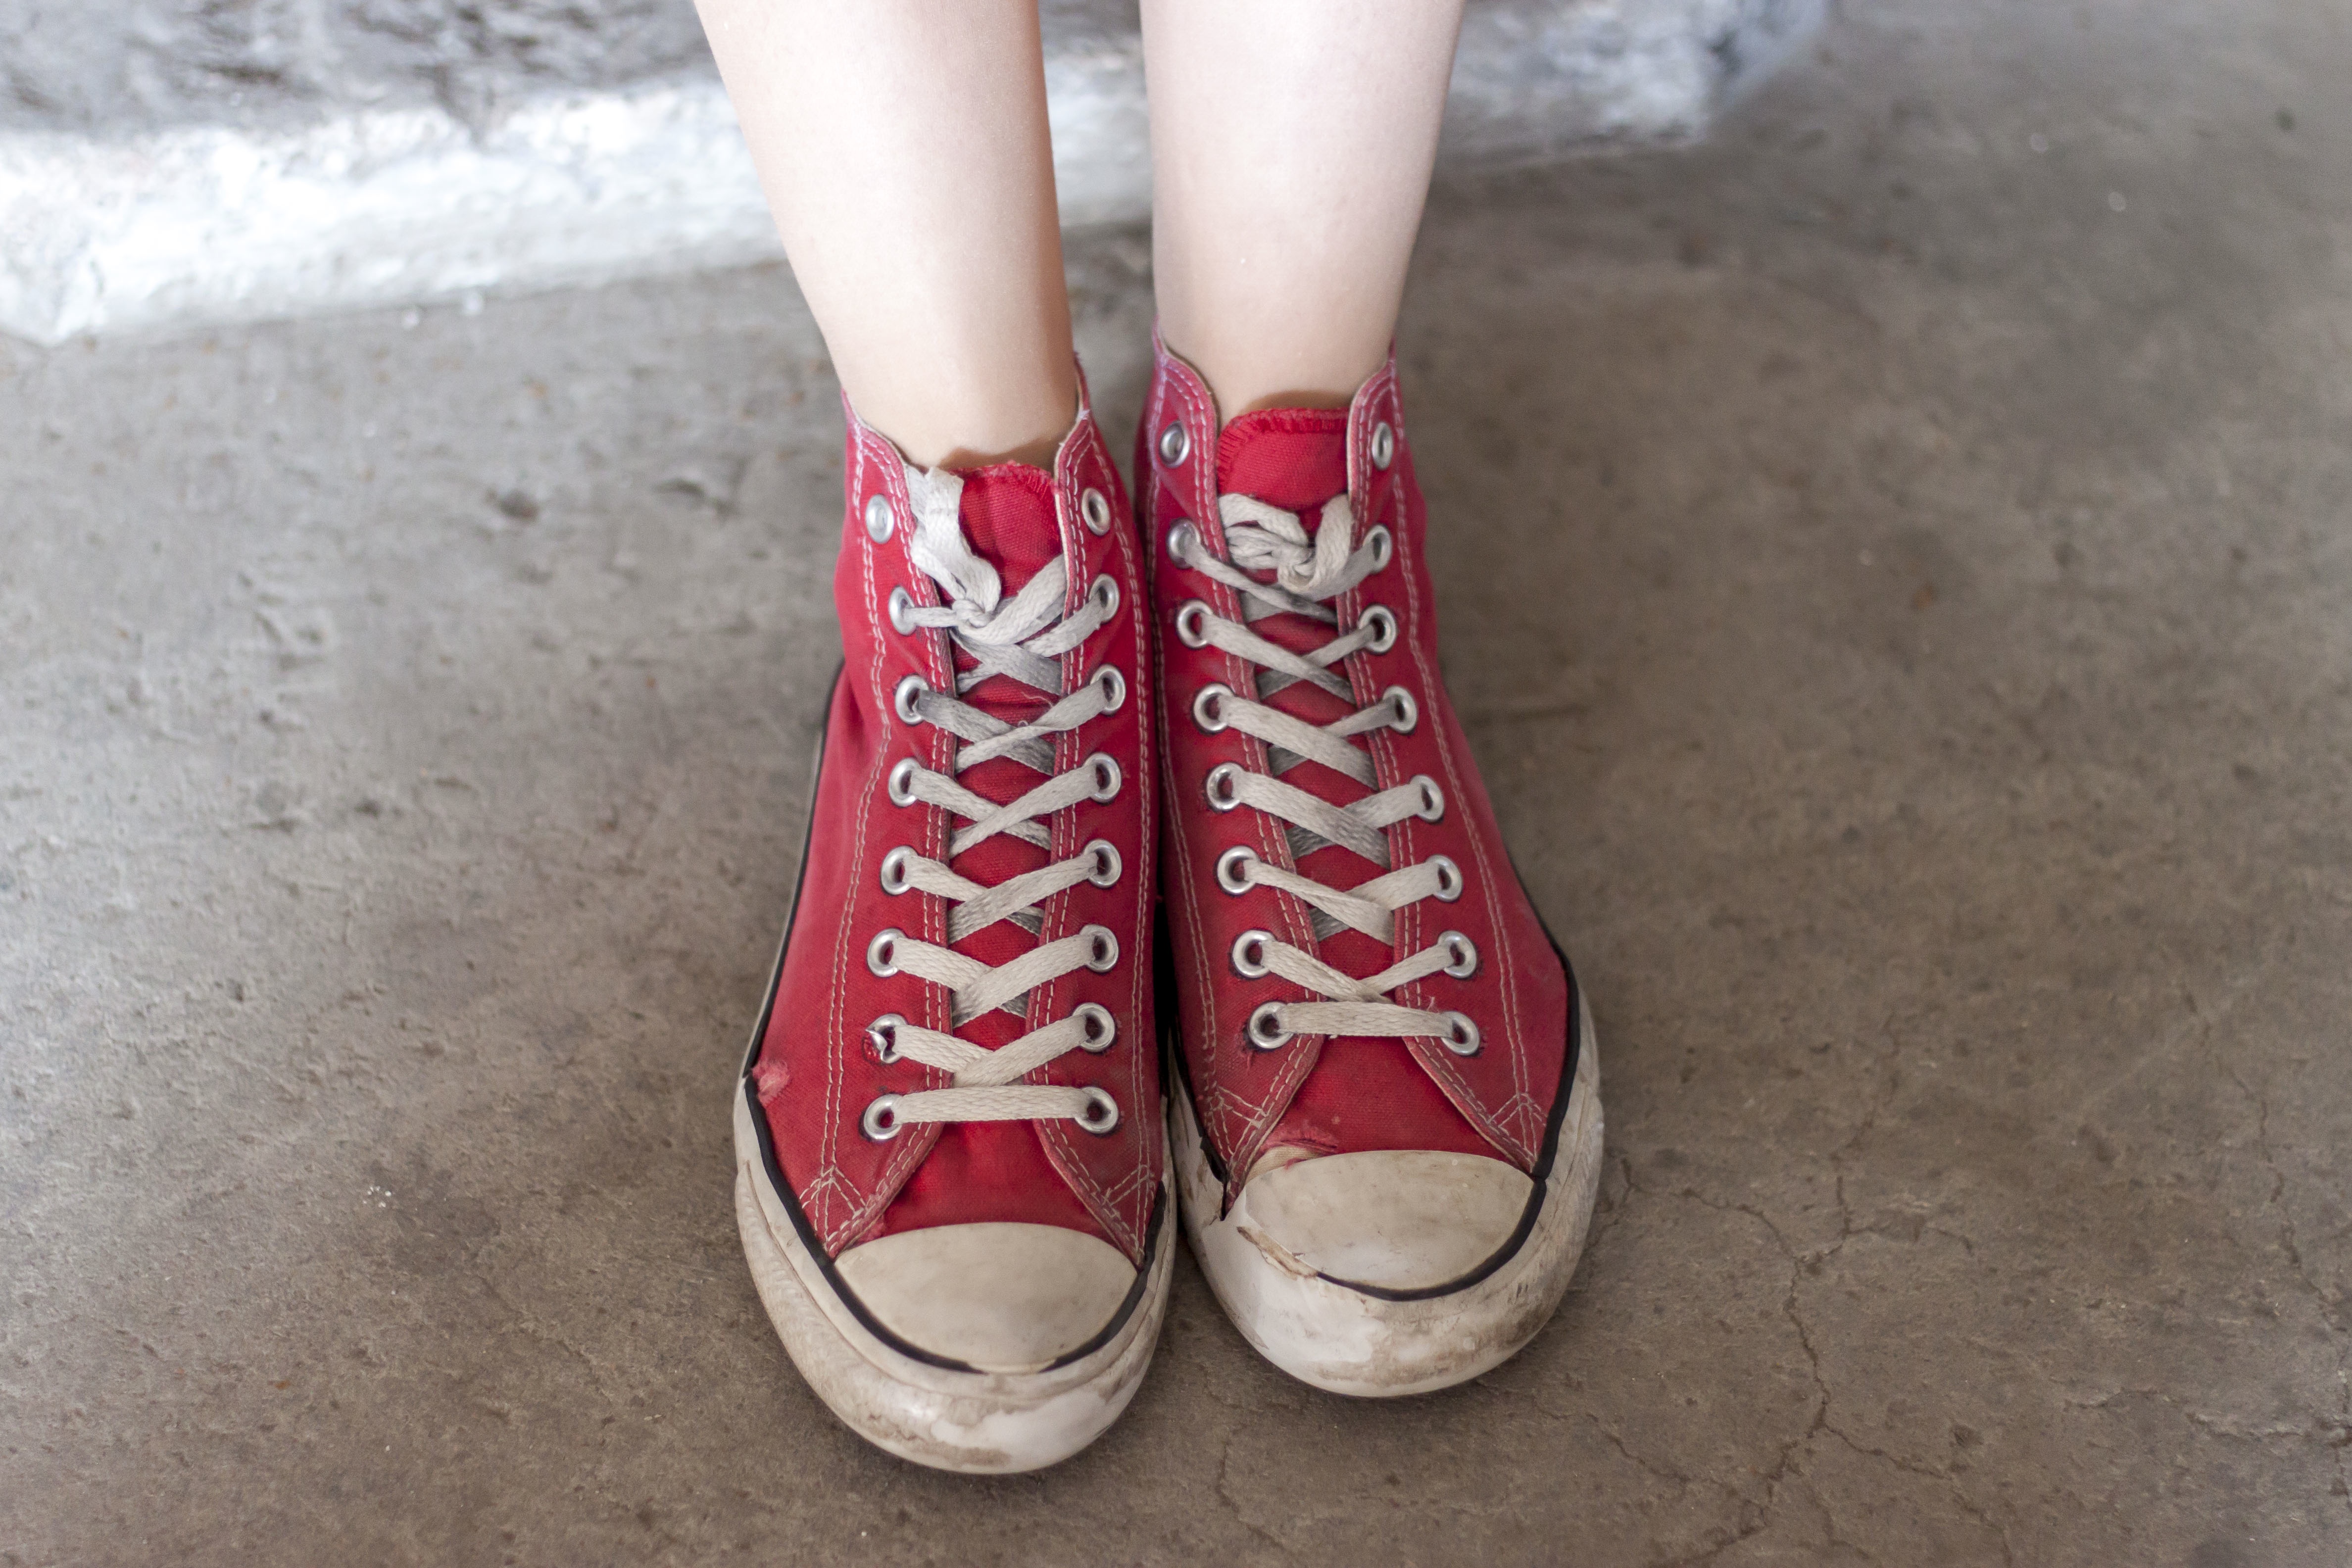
[
  {"x": 1233, "y": 874},
  {"x": 1461, "y": 1036},
  {"x": 1206, "y": 702},
  {"x": 1264, "y": 1030},
  {"x": 882, "y": 1034},
  {"x": 881, "y": 1121},
  {"x": 882, "y": 953},
  {"x": 901, "y": 782},
  {"x": 1449, "y": 877},
  {"x": 1104, "y": 855},
  {"x": 878, "y": 518},
  {"x": 1114, "y": 686},
  {"x": 1104, "y": 593},
  {"x": 1249, "y": 954},
  {"x": 902, "y": 612},
  {"x": 1383, "y": 444},
  {"x": 1175, "y": 443},
  {"x": 1106, "y": 776},
  {"x": 1408, "y": 711},
  {"x": 902, "y": 698},
  {"x": 1094, "y": 509},
  {"x": 894, "y": 870},
  {"x": 1102, "y": 947},
  {"x": 1460, "y": 954},
  {"x": 1102, "y": 1115},
  {"x": 1193, "y": 623},
  {"x": 1384, "y": 628},
  {"x": 1181, "y": 538},
  {"x": 1383, "y": 547},
  {"x": 1432, "y": 799},
  {"x": 1101, "y": 1026},
  {"x": 1222, "y": 786}
]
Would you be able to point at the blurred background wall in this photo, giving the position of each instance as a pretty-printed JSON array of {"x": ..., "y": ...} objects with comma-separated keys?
[
  {"x": 108, "y": 67},
  {"x": 171, "y": 162}
]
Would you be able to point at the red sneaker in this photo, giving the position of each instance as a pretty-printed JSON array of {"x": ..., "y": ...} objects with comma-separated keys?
[
  {"x": 1387, "y": 1122},
  {"x": 949, "y": 1175}
]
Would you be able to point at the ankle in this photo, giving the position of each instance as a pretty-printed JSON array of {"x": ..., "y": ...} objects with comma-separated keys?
[
  {"x": 1244, "y": 382},
  {"x": 1035, "y": 454},
  {"x": 969, "y": 431}
]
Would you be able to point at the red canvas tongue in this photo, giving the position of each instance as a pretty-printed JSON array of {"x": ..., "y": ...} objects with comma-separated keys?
[
  {"x": 1008, "y": 516},
  {"x": 1008, "y": 522},
  {"x": 1364, "y": 1094},
  {"x": 1296, "y": 458}
]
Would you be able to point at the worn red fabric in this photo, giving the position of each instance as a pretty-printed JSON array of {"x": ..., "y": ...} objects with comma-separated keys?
[
  {"x": 816, "y": 1072},
  {"x": 1333, "y": 1095}
]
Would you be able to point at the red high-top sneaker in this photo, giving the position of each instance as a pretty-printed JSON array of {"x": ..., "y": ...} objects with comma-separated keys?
[
  {"x": 1386, "y": 1122},
  {"x": 950, "y": 1181}
]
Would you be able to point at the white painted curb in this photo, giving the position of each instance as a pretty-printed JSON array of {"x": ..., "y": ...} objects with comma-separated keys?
[{"x": 206, "y": 223}]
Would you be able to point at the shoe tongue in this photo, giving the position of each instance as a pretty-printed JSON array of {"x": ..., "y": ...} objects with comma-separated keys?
[
  {"x": 1296, "y": 458},
  {"x": 1007, "y": 513},
  {"x": 1008, "y": 520}
]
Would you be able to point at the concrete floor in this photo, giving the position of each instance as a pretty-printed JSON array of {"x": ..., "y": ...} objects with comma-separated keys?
[{"x": 1899, "y": 582}]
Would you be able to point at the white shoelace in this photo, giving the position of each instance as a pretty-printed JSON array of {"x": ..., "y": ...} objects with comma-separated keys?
[
  {"x": 1023, "y": 638},
  {"x": 1264, "y": 539}
]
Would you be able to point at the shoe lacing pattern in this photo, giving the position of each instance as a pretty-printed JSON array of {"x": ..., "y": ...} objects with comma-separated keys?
[
  {"x": 1277, "y": 570},
  {"x": 1023, "y": 638}
]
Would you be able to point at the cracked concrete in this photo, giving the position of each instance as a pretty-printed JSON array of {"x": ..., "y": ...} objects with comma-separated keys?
[{"x": 1899, "y": 586}]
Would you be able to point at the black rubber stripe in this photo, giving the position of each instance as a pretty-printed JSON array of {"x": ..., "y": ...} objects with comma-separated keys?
[
  {"x": 791, "y": 1203},
  {"x": 1135, "y": 1292}
]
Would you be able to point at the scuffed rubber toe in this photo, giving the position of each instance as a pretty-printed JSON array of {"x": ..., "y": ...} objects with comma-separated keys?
[
  {"x": 1339, "y": 1271},
  {"x": 1395, "y": 1219},
  {"x": 999, "y": 1296}
]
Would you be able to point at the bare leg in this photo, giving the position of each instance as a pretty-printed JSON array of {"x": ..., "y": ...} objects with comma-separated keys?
[
  {"x": 903, "y": 147},
  {"x": 1291, "y": 145}
]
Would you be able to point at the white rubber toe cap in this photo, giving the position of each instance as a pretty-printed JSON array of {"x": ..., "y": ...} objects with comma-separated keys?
[
  {"x": 996, "y": 1297},
  {"x": 1398, "y": 1219}
]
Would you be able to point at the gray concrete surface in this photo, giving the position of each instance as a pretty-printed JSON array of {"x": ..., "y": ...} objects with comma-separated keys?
[{"x": 1896, "y": 574}]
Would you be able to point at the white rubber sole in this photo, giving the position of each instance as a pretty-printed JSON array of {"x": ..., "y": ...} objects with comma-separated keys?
[
  {"x": 1345, "y": 1340},
  {"x": 975, "y": 1423}
]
